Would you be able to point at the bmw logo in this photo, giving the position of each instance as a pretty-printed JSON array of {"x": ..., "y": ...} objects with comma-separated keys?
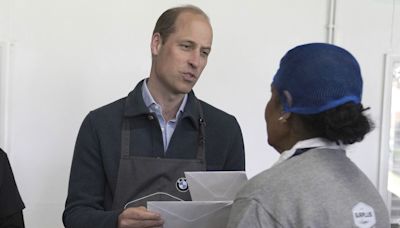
[{"x": 182, "y": 185}]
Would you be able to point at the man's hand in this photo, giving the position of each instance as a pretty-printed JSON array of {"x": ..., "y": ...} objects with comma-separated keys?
[{"x": 139, "y": 217}]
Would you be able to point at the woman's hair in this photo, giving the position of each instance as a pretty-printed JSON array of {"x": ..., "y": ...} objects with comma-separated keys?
[{"x": 344, "y": 124}]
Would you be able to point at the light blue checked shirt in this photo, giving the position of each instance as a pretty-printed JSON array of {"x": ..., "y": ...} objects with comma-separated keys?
[{"x": 167, "y": 128}]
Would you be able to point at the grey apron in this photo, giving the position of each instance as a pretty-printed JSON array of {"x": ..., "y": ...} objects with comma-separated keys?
[{"x": 142, "y": 179}]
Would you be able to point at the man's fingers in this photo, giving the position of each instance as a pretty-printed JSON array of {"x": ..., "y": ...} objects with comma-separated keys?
[
  {"x": 141, "y": 213},
  {"x": 132, "y": 223},
  {"x": 139, "y": 217},
  {"x": 148, "y": 223}
]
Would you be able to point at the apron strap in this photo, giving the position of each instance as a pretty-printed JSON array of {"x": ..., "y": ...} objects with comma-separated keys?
[
  {"x": 201, "y": 149},
  {"x": 125, "y": 137}
]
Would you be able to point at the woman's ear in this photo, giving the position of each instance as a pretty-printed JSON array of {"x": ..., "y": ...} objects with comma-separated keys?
[
  {"x": 288, "y": 97},
  {"x": 284, "y": 117},
  {"x": 289, "y": 101}
]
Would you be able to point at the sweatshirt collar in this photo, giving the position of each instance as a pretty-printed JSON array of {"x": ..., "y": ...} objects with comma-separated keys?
[{"x": 308, "y": 143}]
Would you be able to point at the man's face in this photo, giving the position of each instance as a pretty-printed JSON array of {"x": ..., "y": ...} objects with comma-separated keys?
[{"x": 179, "y": 61}]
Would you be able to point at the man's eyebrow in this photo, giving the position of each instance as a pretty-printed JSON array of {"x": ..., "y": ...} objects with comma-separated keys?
[
  {"x": 191, "y": 42},
  {"x": 188, "y": 41}
]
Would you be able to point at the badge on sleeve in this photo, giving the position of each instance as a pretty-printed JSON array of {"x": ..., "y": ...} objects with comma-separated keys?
[
  {"x": 363, "y": 215},
  {"x": 182, "y": 185}
]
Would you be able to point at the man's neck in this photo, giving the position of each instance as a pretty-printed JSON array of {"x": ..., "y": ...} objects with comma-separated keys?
[{"x": 168, "y": 101}]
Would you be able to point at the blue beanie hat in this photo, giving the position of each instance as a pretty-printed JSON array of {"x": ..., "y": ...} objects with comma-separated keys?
[{"x": 318, "y": 77}]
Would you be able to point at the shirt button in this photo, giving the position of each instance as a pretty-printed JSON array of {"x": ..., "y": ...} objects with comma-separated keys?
[{"x": 150, "y": 117}]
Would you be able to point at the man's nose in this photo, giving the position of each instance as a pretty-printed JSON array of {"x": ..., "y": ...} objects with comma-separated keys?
[{"x": 194, "y": 59}]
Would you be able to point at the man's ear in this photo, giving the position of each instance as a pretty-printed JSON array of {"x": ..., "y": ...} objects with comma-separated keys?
[{"x": 156, "y": 42}]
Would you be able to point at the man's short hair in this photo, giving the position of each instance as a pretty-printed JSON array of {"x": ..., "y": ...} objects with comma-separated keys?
[{"x": 165, "y": 25}]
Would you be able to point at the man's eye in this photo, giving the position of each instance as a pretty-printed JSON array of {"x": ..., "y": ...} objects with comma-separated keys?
[
  {"x": 206, "y": 53},
  {"x": 185, "y": 46}
]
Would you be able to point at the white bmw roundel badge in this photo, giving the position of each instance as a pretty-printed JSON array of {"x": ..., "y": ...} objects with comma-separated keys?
[{"x": 182, "y": 185}]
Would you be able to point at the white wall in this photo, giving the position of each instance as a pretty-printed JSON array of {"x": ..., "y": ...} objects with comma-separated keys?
[
  {"x": 4, "y": 35},
  {"x": 69, "y": 57},
  {"x": 371, "y": 33}
]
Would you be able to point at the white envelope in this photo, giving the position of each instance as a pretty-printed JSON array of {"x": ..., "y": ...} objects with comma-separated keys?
[
  {"x": 192, "y": 214},
  {"x": 215, "y": 185}
]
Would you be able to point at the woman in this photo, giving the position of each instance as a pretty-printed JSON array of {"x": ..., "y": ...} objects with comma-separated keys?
[{"x": 314, "y": 111}]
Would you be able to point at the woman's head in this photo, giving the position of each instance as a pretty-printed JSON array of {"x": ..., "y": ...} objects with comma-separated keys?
[{"x": 317, "y": 89}]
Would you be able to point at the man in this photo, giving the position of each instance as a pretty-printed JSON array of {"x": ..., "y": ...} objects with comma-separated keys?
[
  {"x": 11, "y": 204},
  {"x": 136, "y": 149}
]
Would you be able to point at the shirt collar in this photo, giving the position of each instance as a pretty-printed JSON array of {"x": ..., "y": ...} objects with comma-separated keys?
[
  {"x": 149, "y": 100},
  {"x": 308, "y": 143},
  {"x": 135, "y": 106}
]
